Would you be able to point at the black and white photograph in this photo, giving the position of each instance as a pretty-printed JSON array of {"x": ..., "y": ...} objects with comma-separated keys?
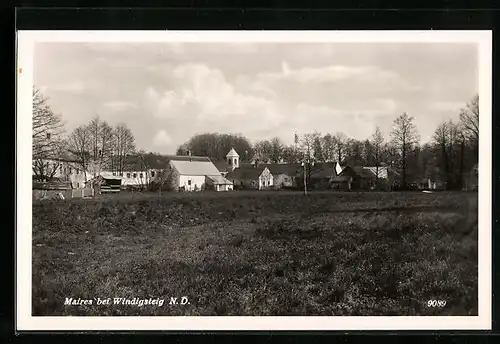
[{"x": 330, "y": 181}]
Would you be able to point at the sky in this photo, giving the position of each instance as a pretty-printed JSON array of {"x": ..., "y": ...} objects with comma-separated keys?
[{"x": 169, "y": 92}]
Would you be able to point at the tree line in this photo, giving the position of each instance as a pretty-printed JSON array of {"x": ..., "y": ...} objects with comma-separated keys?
[{"x": 452, "y": 152}]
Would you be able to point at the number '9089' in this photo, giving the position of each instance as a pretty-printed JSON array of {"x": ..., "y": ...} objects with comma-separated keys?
[{"x": 436, "y": 303}]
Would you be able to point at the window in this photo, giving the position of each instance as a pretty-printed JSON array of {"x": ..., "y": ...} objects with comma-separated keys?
[
  {"x": 77, "y": 171},
  {"x": 152, "y": 174},
  {"x": 189, "y": 182},
  {"x": 235, "y": 161},
  {"x": 128, "y": 175},
  {"x": 70, "y": 170},
  {"x": 140, "y": 175},
  {"x": 48, "y": 136},
  {"x": 61, "y": 168},
  {"x": 134, "y": 175},
  {"x": 114, "y": 173},
  {"x": 229, "y": 161}
]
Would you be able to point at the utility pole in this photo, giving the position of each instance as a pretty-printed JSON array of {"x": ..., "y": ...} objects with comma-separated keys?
[{"x": 305, "y": 175}]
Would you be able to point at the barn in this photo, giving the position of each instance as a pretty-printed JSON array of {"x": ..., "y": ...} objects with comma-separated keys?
[
  {"x": 191, "y": 174},
  {"x": 284, "y": 175},
  {"x": 256, "y": 177}
]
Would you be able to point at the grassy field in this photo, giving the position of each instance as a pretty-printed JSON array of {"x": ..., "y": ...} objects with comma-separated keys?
[{"x": 258, "y": 253}]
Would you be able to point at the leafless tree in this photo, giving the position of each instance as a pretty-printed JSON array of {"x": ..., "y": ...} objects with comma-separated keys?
[
  {"x": 276, "y": 149},
  {"x": 404, "y": 137},
  {"x": 377, "y": 142},
  {"x": 328, "y": 144},
  {"x": 340, "y": 141},
  {"x": 469, "y": 120},
  {"x": 124, "y": 146},
  {"x": 80, "y": 145},
  {"x": 47, "y": 137}
]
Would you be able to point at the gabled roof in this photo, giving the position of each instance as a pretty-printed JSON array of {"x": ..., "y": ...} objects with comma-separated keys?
[
  {"x": 252, "y": 173},
  {"x": 195, "y": 168},
  {"x": 220, "y": 180},
  {"x": 288, "y": 169},
  {"x": 222, "y": 165},
  {"x": 323, "y": 170},
  {"x": 360, "y": 171}
]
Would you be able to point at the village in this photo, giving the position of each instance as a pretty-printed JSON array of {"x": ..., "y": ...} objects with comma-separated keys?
[{"x": 196, "y": 173}]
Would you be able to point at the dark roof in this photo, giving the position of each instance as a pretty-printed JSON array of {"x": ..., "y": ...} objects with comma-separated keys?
[
  {"x": 222, "y": 165},
  {"x": 323, "y": 170},
  {"x": 251, "y": 173},
  {"x": 359, "y": 171},
  {"x": 288, "y": 169}
]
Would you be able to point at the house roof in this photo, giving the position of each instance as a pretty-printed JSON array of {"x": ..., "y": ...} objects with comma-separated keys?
[
  {"x": 323, "y": 170},
  {"x": 222, "y": 165},
  {"x": 195, "y": 168},
  {"x": 220, "y": 180},
  {"x": 288, "y": 169},
  {"x": 360, "y": 171},
  {"x": 251, "y": 173}
]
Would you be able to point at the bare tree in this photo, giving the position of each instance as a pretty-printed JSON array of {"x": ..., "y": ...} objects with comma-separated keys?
[
  {"x": 404, "y": 137},
  {"x": 79, "y": 144},
  {"x": 328, "y": 144},
  {"x": 340, "y": 140},
  {"x": 469, "y": 119},
  {"x": 276, "y": 150},
  {"x": 106, "y": 144},
  {"x": 318, "y": 148},
  {"x": 124, "y": 146},
  {"x": 163, "y": 180},
  {"x": 377, "y": 141},
  {"x": 47, "y": 138},
  {"x": 263, "y": 150}
]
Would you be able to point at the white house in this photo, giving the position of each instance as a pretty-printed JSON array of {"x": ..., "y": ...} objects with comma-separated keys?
[{"x": 194, "y": 175}]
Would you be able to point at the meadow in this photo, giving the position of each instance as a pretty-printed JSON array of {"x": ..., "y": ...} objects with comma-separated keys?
[{"x": 259, "y": 253}]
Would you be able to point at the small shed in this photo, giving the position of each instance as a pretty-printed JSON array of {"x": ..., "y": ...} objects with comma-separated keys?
[
  {"x": 111, "y": 184},
  {"x": 218, "y": 183}
]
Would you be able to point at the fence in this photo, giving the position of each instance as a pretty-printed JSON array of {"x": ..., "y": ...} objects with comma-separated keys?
[{"x": 67, "y": 194}]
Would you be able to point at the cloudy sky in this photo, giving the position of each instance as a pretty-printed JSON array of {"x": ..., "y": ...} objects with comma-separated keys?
[{"x": 168, "y": 92}]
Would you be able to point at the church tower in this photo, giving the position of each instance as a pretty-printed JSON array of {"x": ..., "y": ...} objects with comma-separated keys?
[{"x": 233, "y": 159}]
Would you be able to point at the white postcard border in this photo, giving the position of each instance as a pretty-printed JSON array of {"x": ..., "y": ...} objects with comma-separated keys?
[{"x": 24, "y": 321}]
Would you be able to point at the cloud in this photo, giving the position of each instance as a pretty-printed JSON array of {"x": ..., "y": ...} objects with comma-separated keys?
[
  {"x": 69, "y": 87},
  {"x": 119, "y": 105},
  {"x": 330, "y": 73},
  {"x": 162, "y": 138},
  {"x": 206, "y": 95}
]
